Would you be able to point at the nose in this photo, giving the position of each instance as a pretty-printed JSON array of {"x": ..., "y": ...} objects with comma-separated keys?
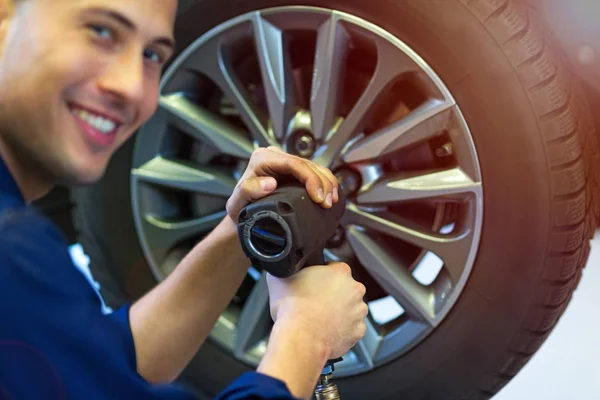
[{"x": 123, "y": 78}]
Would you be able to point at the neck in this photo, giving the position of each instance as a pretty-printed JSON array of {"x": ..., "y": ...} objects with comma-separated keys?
[{"x": 31, "y": 183}]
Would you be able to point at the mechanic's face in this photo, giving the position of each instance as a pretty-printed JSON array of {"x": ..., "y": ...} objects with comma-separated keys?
[{"x": 77, "y": 78}]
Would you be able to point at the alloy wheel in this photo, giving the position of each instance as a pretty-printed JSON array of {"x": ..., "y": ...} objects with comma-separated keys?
[{"x": 334, "y": 88}]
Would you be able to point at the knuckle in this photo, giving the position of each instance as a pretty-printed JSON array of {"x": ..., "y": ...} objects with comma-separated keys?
[
  {"x": 278, "y": 151},
  {"x": 362, "y": 289},
  {"x": 364, "y": 310},
  {"x": 322, "y": 170},
  {"x": 347, "y": 269},
  {"x": 290, "y": 163},
  {"x": 327, "y": 172},
  {"x": 245, "y": 188},
  {"x": 326, "y": 169},
  {"x": 343, "y": 267},
  {"x": 256, "y": 156},
  {"x": 258, "y": 152},
  {"x": 362, "y": 330},
  {"x": 245, "y": 185},
  {"x": 296, "y": 162},
  {"x": 357, "y": 334}
]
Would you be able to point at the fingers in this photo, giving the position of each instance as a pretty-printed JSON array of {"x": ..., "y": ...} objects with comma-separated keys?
[
  {"x": 320, "y": 183},
  {"x": 249, "y": 190},
  {"x": 326, "y": 184},
  {"x": 273, "y": 162},
  {"x": 330, "y": 182},
  {"x": 332, "y": 179}
]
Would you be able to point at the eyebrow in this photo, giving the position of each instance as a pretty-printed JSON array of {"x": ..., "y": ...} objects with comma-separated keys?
[{"x": 127, "y": 23}]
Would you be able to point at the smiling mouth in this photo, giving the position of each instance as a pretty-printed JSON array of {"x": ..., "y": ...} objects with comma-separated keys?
[
  {"x": 99, "y": 130},
  {"x": 101, "y": 124}
]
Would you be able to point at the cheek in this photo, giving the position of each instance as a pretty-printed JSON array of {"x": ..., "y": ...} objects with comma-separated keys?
[
  {"x": 150, "y": 102},
  {"x": 76, "y": 65},
  {"x": 53, "y": 57}
]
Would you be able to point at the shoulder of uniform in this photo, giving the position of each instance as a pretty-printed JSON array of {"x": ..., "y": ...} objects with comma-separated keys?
[
  {"x": 27, "y": 220},
  {"x": 34, "y": 251},
  {"x": 27, "y": 229}
]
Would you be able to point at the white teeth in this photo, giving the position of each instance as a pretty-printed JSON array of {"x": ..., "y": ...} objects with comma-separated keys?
[{"x": 101, "y": 124}]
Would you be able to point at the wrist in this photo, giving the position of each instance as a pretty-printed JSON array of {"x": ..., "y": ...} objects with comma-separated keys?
[
  {"x": 229, "y": 226},
  {"x": 303, "y": 319},
  {"x": 296, "y": 356},
  {"x": 227, "y": 233},
  {"x": 303, "y": 330}
]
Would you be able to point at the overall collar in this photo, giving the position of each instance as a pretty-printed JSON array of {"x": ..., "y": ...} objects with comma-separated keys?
[{"x": 10, "y": 194}]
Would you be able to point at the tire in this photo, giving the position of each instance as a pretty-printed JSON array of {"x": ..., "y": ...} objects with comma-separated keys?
[{"x": 538, "y": 154}]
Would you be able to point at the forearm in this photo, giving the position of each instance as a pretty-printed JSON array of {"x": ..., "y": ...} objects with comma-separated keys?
[
  {"x": 172, "y": 321},
  {"x": 295, "y": 357}
]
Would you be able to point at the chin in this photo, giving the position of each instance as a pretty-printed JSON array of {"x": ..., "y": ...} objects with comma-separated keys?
[
  {"x": 90, "y": 177},
  {"x": 82, "y": 175}
]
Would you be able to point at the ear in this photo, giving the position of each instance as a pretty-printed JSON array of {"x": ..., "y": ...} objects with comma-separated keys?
[
  {"x": 7, "y": 8},
  {"x": 7, "y": 11}
]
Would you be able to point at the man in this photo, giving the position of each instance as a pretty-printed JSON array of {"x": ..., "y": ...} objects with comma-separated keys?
[{"x": 77, "y": 78}]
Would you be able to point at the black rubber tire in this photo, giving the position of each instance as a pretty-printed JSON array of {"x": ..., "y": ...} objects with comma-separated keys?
[{"x": 537, "y": 149}]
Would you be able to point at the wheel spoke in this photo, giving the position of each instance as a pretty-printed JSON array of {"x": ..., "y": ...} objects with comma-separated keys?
[
  {"x": 452, "y": 249},
  {"x": 165, "y": 234},
  {"x": 177, "y": 175},
  {"x": 423, "y": 123},
  {"x": 255, "y": 320},
  {"x": 403, "y": 337},
  {"x": 390, "y": 66},
  {"x": 417, "y": 300},
  {"x": 450, "y": 184},
  {"x": 205, "y": 126},
  {"x": 213, "y": 59},
  {"x": 328, "y": 75},
  {"x": 276, "y": 69}
]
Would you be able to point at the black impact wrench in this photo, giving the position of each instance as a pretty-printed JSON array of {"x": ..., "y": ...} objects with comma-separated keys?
[{"x": 285, "y": 232}]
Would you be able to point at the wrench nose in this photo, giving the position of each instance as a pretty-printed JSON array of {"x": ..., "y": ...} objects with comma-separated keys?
[{"x": 268, "y": 237}]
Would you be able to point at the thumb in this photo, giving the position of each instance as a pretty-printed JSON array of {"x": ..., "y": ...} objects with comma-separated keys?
[{"x": 249, "y": 190}]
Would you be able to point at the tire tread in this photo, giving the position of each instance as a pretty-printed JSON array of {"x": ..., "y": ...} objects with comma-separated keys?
[{"x": 572, "y": 155}]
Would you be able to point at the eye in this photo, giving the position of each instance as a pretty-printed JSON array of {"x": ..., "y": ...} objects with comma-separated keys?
[
  {"x": 101, "y": 31},
  {"x": 152, "y": 56}
]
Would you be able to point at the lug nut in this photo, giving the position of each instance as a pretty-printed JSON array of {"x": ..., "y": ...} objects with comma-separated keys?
[
  {"x": 350, "y": 181},
  {"x": 304, "y": 144},
  {"x": 445, "y": 151}
]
